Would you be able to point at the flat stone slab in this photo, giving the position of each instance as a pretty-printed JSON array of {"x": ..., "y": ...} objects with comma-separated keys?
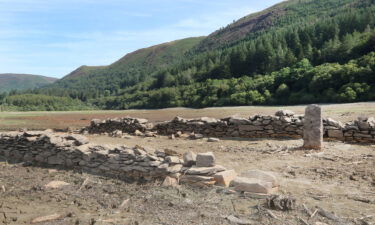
[
  {"x": 265, "y": 176},
  {"x": 251, "y": 185},
  {"x": 197, "y": 180},
  {"x": 206, "y": 159},
  {"x": 205, "y": 170}
]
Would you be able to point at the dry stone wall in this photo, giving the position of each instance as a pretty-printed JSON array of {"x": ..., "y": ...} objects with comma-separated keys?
[
  {"x": 69, "y": 151},
  {"x": 284, "y": 123}
]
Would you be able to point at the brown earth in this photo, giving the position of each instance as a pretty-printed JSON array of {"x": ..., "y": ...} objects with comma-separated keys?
[
  {"x": 63, "y": 120},
  {"x": 341, "y": 179}
]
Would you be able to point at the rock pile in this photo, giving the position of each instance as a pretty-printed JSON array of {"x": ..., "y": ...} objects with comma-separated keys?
[{"x": 117, "y": 126}]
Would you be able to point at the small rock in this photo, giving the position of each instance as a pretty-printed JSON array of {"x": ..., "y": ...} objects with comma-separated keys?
[
  {"x": 224, "y": 178},
  {"x": 170, "y": 182},
  {"x": 170, "y": 152},
  {"x": 172, "y": 137},
  {"x": 55, "y": 184},
  {"x": 44, "y": 219},
  {"x": 190, "y": 159},
  {"x": 206, "y": 159},
  {"x": 236, "y": 220},
  {"x": 173, "y": 159},
  {"x": 178, "y": 134},
  {"x": 174, "y": 169},
  {"x": 138, "y": 133},
  {"x": 284, "y": 113},
  {"x": 213, "y": 140},
  {"x": 196, "y": 136}
]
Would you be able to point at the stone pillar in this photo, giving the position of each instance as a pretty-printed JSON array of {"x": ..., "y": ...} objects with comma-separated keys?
[{"x": 313, "y": 128}]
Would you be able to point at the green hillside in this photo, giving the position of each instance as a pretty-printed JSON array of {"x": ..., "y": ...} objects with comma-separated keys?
[
  {"x": 9, "y": 82},
  {"x": 133, "y": 68},
  {"x": 282, "y": 55}
]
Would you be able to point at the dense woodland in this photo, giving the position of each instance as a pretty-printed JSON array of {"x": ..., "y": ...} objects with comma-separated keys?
[{"x": 315, "y": 51}]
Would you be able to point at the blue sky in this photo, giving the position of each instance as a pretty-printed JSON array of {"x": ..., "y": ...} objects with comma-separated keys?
[{"x": 54, "y": 37}]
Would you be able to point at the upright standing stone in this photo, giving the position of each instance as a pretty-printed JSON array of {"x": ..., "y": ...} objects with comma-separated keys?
[{"x": 313, "y": 128}]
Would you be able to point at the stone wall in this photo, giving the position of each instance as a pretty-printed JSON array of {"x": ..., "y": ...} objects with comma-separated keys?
[
  {"x": 284, "y": 124},
  {"x": 74, "y": 152}
]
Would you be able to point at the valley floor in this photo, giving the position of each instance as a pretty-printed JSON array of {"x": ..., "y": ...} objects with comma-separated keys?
[
  {"x": 341, "y": 179},
  {"x": 63, "y": 120}
]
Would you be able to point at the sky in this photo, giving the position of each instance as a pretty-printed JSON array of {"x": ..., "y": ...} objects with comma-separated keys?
[{"x": 54, "y": 37}]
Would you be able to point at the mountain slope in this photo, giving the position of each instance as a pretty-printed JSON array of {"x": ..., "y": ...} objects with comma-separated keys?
[
  {"x": 91, "y": 82},
  {"x": 10, "y": 81},
  {"x": 142, "y": 61}
]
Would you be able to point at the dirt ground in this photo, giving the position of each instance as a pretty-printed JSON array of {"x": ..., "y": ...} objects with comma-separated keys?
[
  {"x": 340, "y": 180},
  {"x": 63, "y": 120}
]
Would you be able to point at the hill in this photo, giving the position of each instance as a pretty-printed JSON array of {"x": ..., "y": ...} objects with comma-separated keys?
[
  {"x": 11, "y": 81},
  {"x": 283, "y": 55}
]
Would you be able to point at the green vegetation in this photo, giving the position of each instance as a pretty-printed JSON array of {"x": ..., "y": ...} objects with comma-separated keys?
[
  {"x": 9, "y": 82},
  {"x": 31, "y": 102},
  {"x": 299, "y": 51},
  {"x": 301, "y": 83}
]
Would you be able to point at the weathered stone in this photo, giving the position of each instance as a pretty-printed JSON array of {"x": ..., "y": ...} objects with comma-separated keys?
[
  {"x": 197, "y": 180},
  {"x": 265, "y": 176},
  {"x": 174, "y": 168},
  {"x": 205, "y": 170},
  {"x": 235, "y": 120},
  {"x": 209, "y": 120},
  {"x": 224, "y": 178},
  {"x": 250, "y": 128},
  {"x": 170, "y": 182},
  {"x": 313, "y": 128},
  {"x": 284, "y": 113},
  {"x": 56, "y": 185},
  {"x": 138, "y": 133},
  {"x": 190, "y": 159},
  {"x": 206, "y": 159},
  {"x": 251, "y": 185},
  {"x": 335, "y": 134},
  {"x": 196, "y": 136},
  {"x": 334, "y": 123},
  {"x": 213, "y": 140},
  {"x": 173, "y": 159}
]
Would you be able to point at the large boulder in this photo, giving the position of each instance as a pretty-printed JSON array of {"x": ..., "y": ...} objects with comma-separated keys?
[{"x": 206, "y": 159}]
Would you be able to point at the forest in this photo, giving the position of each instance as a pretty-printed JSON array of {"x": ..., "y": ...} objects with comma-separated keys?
[{"x": 318, "y": 51}]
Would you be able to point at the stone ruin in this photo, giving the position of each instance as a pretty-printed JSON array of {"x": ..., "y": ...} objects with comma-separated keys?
[
  {"x": 284, "y": 124},
  {"x": 74, "y": 152}
]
